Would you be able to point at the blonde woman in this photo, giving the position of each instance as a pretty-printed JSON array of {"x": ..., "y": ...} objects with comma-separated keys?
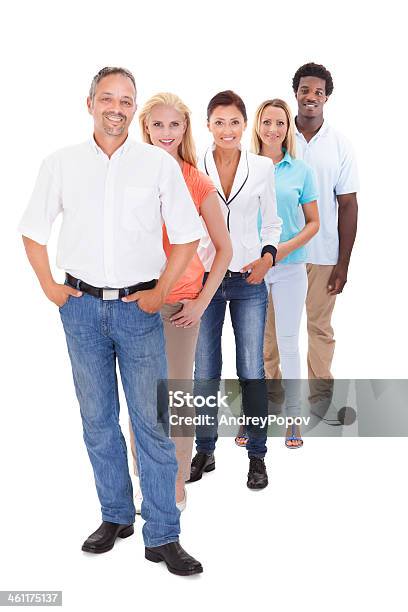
[
  {"x": 273, "y": 136},
  {"x": 165, "y": 123}
]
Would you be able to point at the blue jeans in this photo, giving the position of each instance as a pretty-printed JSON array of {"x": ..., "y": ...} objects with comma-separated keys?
[
  {"x": 98, "y": 334},
  {"x": 247, "y": 304}
]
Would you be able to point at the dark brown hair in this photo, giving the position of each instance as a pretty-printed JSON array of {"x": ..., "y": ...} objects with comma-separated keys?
[{"x": 226, "y": 98}]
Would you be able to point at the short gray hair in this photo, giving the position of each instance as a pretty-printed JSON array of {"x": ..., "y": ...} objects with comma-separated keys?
[{"x": 105, "y": 72}]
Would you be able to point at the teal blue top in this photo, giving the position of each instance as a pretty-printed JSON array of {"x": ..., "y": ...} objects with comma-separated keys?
[{"x": 295, "y": 185}]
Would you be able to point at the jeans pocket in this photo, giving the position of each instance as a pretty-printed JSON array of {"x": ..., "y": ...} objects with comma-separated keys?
[
  {"x": 149, "y": 314},
  {"x": 65, "y": 303}
]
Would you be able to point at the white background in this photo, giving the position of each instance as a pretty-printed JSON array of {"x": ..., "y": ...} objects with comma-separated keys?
[{"x": 330, "y": 530}]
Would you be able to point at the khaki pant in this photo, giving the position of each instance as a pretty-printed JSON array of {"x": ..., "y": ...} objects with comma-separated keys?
[
  {"x": 180, "y": 349},
  {"x": 319, "y": 309}
]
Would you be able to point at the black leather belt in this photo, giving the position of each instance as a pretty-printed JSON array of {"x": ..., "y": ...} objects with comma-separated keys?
[
  {"x": 230, "y": 274},
  {"x": 106, "y": 293}
]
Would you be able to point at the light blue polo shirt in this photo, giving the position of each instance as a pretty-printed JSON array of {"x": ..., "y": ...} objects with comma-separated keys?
[{"x": 295, "y": 185}]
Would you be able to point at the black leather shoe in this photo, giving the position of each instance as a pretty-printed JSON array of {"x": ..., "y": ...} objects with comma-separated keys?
[
  {"x": 201, "y": 463},
  {"x": 175, "y": 557},
  {"x": 257, "y": 476},
  {"x": 104, "y": 537}
]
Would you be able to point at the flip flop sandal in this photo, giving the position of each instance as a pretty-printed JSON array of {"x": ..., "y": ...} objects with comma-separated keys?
[
  {"x": 293, "y": 438},
  {"x": 241, "y": 440}
]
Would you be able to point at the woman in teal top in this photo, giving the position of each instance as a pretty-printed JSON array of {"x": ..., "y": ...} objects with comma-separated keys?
[
  {"x": 295, "y": 186},
  {"x": 273, "y": 135}
]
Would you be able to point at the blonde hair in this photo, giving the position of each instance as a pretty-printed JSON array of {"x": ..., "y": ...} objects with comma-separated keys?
[
  {"x": 186, "y": 148},
  {"x": 290, "y": 141}
]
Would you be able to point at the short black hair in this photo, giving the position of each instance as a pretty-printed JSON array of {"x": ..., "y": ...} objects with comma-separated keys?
[
  {"x": 227, "y": 98},
  {"x": 313, "y": 70}
]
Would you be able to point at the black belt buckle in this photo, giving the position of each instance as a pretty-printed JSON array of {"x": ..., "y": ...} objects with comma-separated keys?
[{"x": 230, "y": 274}]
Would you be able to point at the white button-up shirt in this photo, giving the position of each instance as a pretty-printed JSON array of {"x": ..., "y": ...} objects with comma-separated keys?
[
  {"x": 331, "y": 156},
  {"x": 249, "y": 211},
  {"x": 113, "y": 210}
]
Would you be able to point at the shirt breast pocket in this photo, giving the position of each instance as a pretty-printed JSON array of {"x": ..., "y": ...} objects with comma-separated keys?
[{"x": 141, "y": 209}]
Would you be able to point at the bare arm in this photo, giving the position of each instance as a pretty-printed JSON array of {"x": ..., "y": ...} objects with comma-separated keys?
[
  {"x": 347, "y": 227},
  {"x": 312, "y": 224},
  {"x": 153, "y": 299},
  {"x": 193, "y": 310},
  {"x": 38, "y": 257}
]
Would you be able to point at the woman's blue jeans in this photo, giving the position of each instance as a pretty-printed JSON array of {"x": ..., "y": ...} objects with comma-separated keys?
[{"x": 247, "y": 304}]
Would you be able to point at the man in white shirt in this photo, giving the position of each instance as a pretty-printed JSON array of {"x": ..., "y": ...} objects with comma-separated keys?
[
  {"x": 332, "y": 158},
  {"x": 114, "y": 195}
]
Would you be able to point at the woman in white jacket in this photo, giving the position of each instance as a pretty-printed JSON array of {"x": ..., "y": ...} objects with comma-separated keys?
[{"x": 245, "y": 185}]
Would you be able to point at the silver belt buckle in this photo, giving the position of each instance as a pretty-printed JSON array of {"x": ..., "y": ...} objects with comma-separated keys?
[{"x": 110, "y": 294}]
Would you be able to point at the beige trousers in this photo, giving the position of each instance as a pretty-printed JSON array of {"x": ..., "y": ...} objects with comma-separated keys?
[
  {"x": 180, "y": 349},
  {"x": 319, "y": 309}
]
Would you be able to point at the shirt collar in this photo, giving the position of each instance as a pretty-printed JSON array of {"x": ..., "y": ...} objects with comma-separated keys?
[
  {"x": 122, "y": 149},
  {"x": 322, "y": 132},
  {"x": 286, "y": 159},
  {"x": 241, "y": 174}
]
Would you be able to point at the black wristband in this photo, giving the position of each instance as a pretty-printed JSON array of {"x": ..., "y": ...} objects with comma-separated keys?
[{"x": 269, "y": 249}]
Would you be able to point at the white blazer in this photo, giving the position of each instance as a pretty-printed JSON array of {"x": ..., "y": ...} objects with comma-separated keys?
[{"x": 253, "y": 192}]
